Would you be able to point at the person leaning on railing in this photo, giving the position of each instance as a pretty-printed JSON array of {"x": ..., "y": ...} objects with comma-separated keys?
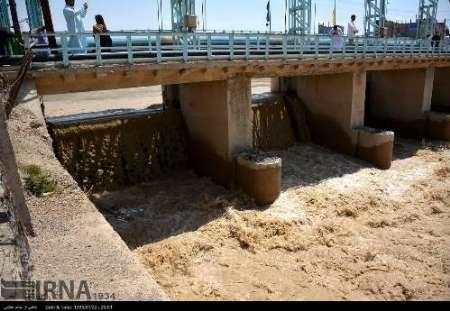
[{"x": 101, "y": 30}]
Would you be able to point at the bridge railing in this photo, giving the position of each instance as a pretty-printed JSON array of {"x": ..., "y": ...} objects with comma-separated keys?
[{"x": 157, "y": 47}]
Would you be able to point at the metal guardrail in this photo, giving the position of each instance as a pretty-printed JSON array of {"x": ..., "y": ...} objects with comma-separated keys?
[{"x": 156, "y": 47}]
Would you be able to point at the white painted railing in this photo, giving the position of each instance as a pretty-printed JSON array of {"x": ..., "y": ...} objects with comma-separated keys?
[{"x": 154, "y": 46}]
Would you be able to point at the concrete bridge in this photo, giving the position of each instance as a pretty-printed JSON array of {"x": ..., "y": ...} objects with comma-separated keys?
[{"x": 401, "y": 85}]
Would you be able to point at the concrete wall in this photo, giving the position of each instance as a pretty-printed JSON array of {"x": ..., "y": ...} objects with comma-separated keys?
[
  {"x": 171, "y": 96},
  {"x": 335, "y": 106},
  {"x": 400, "y": 99},
  {"x": 441, "y": 90},
  {"x": 219, "y": 119},
  {"x": 123, "y": 151}
]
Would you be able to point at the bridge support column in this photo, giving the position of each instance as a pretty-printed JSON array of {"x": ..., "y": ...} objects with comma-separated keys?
[
  {"x": 218, "y": 117},
  {"x": 400, "y": 100},
  {"x": 439, "y": 119},
  {"x": 171, "y": 96},
  {"x": 441, "y": 90},
  {"x": 335, "y": 107}
]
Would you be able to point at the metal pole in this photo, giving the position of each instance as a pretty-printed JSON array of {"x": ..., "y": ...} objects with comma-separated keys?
[
  {"x": 48, "y": 21},
  {"x": 14, "y": 17}
]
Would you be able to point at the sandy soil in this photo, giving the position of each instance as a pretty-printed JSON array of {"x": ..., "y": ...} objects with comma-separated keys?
[{"x": 341, "y": 230}]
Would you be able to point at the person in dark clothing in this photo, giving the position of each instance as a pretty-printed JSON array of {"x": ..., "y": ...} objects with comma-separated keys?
[
  {"x": 435, "y": 40},
  {"x": 101, "y": 29}
]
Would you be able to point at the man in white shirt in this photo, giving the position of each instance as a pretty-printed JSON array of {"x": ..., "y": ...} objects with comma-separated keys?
[
  {"x": 74, "y": 20},
  {"x": 337, "y": 42},
  {"x": 352, "y": 29}
]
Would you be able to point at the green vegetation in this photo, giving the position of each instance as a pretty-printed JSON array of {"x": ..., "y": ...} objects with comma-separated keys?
[{"x": 38, "y": 182}]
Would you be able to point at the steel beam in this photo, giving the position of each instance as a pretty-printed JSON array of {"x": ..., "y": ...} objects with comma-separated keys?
[
  {"x": 48, "y": 21},
  {"x": 14, "y": 16},
  {"x": 426, "y": 19},
  {"x": 375, "y": 17},
  {"x": 183, "y": 15},
  {"x": 299, "y": 17},
  {"x": 34, "y": 12},
  {"x": 5, "y": 23}
]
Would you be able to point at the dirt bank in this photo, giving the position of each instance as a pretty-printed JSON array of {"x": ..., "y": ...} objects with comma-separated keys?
[{"x": 341, "y": 230}]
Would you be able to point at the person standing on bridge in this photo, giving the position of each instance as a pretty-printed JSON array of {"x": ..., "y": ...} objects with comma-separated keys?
[
  {"x": 352, "y": 30},
  {"x": 101, "y": 29},
  {"x": 74, "y": 19},
  {"x": 337, "y": 41}
]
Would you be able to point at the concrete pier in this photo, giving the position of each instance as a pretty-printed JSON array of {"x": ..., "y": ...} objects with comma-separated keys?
[
  {"x": 335, "y": 106},
  {"x": 400, "y": 100},
  {"x": 171, "y": 96},
  {"x": 218, "y": 117},
  {"x": 338, "y": 98},
  {"x": 441, "y": 91}
]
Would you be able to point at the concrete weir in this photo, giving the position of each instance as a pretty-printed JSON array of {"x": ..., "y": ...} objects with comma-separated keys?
[
  {"x": 335, "y": 115},
  {"x": 218, "y": 117},
  {"x": 335, "y": 106},
  {"x": 405, "y": 100},
  {"x": 400, "y": 99},
  {"x": 115, "y": 149},
  {"x": 440, "y": 101},
  {"x": 355, "y": 108}
]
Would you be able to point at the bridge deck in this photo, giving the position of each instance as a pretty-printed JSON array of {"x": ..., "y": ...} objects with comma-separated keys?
[{"x": 82, "y": 77}]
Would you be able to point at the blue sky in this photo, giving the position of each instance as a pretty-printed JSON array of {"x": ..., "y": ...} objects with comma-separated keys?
[{"x": 227, "y": 14}]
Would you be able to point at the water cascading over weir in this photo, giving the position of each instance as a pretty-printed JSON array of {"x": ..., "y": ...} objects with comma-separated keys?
[{"x": 117, "y": 149}]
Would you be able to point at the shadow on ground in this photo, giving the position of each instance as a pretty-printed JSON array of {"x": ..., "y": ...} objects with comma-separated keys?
[
  {"x": 155, "y": 211},
  {"x": 182, "y": 203}
]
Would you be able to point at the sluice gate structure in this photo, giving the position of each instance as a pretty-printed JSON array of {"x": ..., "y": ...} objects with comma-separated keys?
[{"x": 354, "y": 100}]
